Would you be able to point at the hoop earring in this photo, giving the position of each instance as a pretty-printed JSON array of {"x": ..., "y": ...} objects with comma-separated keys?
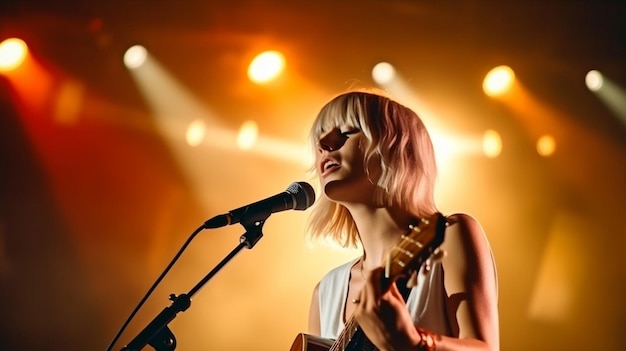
[{"x": 367, "y": 174}]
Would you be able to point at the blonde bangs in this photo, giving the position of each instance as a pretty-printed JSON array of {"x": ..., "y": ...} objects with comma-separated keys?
[{"x": 344, "y": 110}]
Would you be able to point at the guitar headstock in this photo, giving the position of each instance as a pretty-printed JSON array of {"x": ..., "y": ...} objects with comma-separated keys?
[{"x": 416, "y": 246}]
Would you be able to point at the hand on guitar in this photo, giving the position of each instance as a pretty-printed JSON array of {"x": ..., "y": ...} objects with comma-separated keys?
[{"x": 383, "y": 316}]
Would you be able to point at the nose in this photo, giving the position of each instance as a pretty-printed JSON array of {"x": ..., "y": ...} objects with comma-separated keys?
[
  {"x": 329, "y": 142},
  {"x": 323, "y": 145}
]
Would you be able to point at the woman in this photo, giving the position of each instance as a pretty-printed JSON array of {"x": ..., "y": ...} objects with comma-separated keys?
[{"x": 376, "y": 167}]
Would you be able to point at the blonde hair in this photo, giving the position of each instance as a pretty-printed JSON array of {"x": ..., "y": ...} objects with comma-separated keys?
[{"x": 396, "y": 138}]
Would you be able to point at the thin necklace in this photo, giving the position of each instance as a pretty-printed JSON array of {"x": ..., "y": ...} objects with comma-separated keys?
[{"x": 360, "y": 268}]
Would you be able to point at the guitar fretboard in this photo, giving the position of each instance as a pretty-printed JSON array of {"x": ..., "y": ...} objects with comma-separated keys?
[
  {"x": 352, "y": 339},
  {"x": 412, "y": 250}
]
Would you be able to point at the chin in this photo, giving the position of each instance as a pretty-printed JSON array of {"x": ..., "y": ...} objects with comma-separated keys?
[{"x": 342, "y": 190}]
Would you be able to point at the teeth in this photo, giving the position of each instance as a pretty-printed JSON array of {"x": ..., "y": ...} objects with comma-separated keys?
[{"x": 329, "y": 164}]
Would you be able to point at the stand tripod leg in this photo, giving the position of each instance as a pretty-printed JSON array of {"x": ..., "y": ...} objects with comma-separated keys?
[{"x": 164, "y": 340}]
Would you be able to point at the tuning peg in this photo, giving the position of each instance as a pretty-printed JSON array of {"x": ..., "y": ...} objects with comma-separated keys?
[
  {"x": 412, "y": 281},
  {"x": 388, "y": 265}
]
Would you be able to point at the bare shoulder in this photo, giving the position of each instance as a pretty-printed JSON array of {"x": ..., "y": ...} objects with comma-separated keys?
[
  {"x": 466, "y": 230},
  {"x": 468, "y": 252},
  {"x": 464, "y": 222},
  {"x": 470, "y": 280}
]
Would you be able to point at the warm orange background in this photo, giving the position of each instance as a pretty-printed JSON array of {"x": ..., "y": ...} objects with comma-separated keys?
[{"x": 94, "y": 201}]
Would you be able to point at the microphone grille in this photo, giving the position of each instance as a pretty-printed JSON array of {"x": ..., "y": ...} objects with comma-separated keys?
[{"x": 303, "y": 194}]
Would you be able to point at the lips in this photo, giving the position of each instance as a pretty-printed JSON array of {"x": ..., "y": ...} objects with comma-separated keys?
[{"x": 328, "y": 165}]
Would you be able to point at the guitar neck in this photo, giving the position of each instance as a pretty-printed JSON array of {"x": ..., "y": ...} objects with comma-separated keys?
[
  {"x": 351, "y": 328},
  {"x": 352, "y": 339}
]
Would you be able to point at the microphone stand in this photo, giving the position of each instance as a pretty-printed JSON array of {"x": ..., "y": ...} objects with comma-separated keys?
[{"x": 156, "y": 333}]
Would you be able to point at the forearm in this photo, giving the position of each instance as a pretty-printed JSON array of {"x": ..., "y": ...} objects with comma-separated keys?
[
  {"x": 445, "y": 343},
  {"x": 424, "y": 340}
]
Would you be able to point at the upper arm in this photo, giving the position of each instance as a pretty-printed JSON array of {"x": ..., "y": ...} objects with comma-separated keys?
[
  {"x": 470, "y": 281},
  {"x": 314, "y": 313}
]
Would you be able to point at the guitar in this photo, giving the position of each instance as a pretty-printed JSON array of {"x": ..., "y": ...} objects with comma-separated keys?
[{"x": 408, "y": 255}]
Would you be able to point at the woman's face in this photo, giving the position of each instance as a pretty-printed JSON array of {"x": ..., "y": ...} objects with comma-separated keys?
[{"x": 339, "y": 165}]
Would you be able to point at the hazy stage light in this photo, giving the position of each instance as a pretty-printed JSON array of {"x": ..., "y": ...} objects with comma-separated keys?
[
  {"x": 498, "y": 81},
  {"x": 12, "y": 54},
  {"x": 248, "y": 134},
  {"x": 611, "y": 93},
  {"x": 135, "y": 56},
  {"x": 546, "y": 145},
  {"x": 492, "y": 143},
  {"x": 266, "y": 66},
  {"x": 196, "y": 132},
  {"x": 594, "y": 80},
  {"x": 383, "y": 73}
]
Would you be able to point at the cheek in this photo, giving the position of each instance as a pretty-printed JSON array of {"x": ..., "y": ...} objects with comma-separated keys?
[{"x": 355, "y": 162}]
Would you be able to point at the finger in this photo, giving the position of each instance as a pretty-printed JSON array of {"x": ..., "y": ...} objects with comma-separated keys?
[{"x": 394, "y": 292}]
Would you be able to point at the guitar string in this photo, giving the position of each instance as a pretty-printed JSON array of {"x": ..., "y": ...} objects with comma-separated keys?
[
  {"x": 349, "y": 329},
  {"x": 351, "y": 325}
]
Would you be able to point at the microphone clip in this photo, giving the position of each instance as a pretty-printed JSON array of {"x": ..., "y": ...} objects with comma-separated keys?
[{"x": 254, "y": 233}]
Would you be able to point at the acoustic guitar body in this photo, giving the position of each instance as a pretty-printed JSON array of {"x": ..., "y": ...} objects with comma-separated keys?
[{"x": 306, "y": 342}]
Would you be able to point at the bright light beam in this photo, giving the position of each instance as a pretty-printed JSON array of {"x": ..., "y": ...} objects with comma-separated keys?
[
  {"x": 446, "y": 144},
  {"x": 183, "y": 122},
  {"x": 266, "y": 67},
  {"x": 383, "y": 73},
  {"x": 611, "y": 94},
  {"x": 13, "y": 52},
  {"x": 167, "y": 97},
  {"x": 180, "y": 117},
  {"x": 498, "y": 81},
  {"x": 492, "y": 143},
  {"x": 561, "y": 270}
]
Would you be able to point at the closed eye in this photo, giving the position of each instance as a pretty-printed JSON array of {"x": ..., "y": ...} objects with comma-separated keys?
[
  {"x": 336, "y": 138},
  {"x": 349, "y": 132}
]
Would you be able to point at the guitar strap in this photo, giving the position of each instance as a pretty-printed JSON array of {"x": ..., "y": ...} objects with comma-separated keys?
[{"x": 404, "y": 290}]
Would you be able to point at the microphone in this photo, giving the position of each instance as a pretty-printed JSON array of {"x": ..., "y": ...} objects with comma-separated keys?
[{"x": 298, "y": 196}]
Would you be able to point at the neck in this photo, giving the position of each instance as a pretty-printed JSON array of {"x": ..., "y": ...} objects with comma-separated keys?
[{"x": 379, "y": 231}]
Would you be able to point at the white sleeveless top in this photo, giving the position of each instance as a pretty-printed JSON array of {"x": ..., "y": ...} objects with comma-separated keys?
[{"x": 426, "y": 301}]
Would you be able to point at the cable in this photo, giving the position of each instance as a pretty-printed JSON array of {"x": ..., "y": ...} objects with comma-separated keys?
[{"x": 154, "y": 285}]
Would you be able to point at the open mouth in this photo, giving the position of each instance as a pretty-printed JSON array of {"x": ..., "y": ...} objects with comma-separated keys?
[{"x": 328, "y": 166}]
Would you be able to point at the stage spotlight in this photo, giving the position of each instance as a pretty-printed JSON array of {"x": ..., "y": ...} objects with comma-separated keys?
[
  {"x": 196, "y": 132},
  {"x": 12, "y": 54},
  {"x": 135, "y": 56},
  {"x": 383, "y": 73},
  {"x": 609, "y": 92},
  {"x": 266, "y": 66},
  {"x": 594, "y": 80},
  {"x": 498, "y": 81},
  {"x": 248, "y": 134},
  {"x": 492, "y": 143},
  {"x": 546, "y": 145}
]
